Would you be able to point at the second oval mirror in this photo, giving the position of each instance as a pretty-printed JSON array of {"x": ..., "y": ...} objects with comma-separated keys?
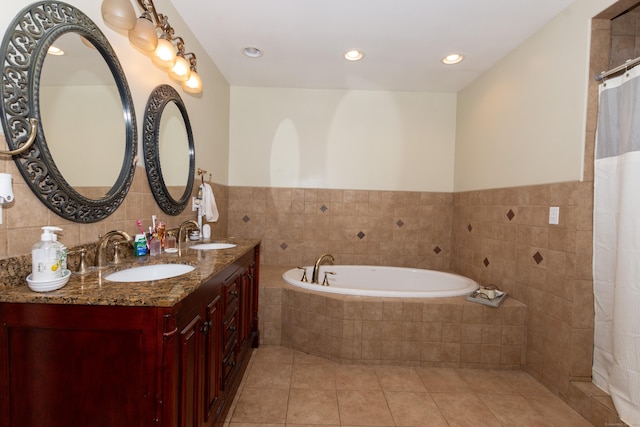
[{"x": 168, "y": 149}]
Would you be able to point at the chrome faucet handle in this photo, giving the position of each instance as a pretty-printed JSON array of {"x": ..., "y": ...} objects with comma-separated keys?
[
  {"x": 82, "y": 264},
  {"x": 325, "y": 282},
  {"x": 304, "y": 274}
]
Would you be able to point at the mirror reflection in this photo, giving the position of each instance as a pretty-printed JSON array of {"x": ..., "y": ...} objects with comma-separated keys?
[
  {"x": 81, "y": 115},
  {"x": 173, "y": 149}
]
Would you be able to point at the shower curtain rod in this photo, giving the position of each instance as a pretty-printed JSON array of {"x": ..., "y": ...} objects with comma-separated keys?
[{"x": 628, "y": 64}]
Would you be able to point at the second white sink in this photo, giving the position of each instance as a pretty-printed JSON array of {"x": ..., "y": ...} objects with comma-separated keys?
[
  {"x": 147, "y": 273},
  {"x": 211, "y": 246}
]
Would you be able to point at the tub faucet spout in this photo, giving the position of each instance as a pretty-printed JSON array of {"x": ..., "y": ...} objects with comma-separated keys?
[{"x": 316, "y": 266}]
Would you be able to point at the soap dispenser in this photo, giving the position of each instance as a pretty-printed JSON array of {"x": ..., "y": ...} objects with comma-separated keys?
[{"x": 47, "y": 257}]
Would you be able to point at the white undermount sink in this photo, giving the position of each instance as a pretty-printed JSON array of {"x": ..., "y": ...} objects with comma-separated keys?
[
  {"x": 212, "y": 246},
  {"x": 147, "y": 273}
]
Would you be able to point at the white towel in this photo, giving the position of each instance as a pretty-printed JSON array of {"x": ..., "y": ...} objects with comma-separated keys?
[{"x": 209, "y": 207}]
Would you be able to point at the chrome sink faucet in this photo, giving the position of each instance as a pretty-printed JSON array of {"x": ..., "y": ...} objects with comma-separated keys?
[
  {"x": 316, "y": 266},
  {"x": 103, "y": 241}
]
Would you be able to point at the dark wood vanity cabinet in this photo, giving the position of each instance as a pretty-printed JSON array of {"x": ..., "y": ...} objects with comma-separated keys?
[{"x": 75, "y": 365}]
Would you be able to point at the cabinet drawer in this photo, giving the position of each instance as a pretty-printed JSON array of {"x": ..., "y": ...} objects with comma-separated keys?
[
  {"x": 230, "y": 333},
  {"x": 228, "y": 366},
  {"x": 230, "y": 296}
]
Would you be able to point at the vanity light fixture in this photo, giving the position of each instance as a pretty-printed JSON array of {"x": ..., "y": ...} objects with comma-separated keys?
[
  {"x": 153, "y": 34},
  {"x": 194, "y": 83},
  {"x": 165, "y": 54},
  {"x": 144, "y": 35},
  {"x": 181, "y": 71},
  {"x": 453, "y": 58},
  {"x": 353, "y": 55},
  {"x": 119, "y": 13}
]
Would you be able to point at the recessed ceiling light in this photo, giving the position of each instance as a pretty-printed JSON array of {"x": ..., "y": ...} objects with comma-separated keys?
[
  {"x": 453, "y": 58},
  {"x": 353, "y": 55},
  {"x": 252, "y": 52},
  {"x": 55, "y": 51}
]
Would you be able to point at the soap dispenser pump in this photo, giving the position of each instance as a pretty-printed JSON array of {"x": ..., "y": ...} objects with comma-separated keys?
[{"x": 47, "y": 256}]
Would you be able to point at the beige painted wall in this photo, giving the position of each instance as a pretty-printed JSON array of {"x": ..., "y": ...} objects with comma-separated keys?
[
  {"x": 523, "y": 122},
  {"x": 375, "y": 140}
]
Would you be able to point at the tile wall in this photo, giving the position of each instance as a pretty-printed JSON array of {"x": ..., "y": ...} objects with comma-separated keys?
[
  {"x": 625, "y": 38},
  {"x": 504, "y": 237},
  {"x": 357, "y": 227}
]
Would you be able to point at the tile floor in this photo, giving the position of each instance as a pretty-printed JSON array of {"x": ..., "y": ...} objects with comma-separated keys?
[{"x": 287, "y": 387}]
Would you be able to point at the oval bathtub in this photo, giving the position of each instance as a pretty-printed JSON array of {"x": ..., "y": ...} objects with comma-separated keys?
[{"x": 368, "y": 280}]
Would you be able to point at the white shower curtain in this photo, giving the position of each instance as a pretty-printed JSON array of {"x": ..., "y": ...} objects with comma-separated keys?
[{"x": 616, "y": 251}]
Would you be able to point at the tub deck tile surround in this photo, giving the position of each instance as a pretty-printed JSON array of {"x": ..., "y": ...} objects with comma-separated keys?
[{"x": 437, "y": 332}]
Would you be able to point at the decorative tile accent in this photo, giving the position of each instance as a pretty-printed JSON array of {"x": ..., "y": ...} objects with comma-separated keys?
[
  {"x": 510, "y": 214},
  {"x": 486, "y": 262},
  {"x": 246, "y": 219},
  {"x": 284, "y": 245},
  {"x": 437, "y": 250},
  {"x": 323, "y": 208},
  {"x": 469, "y": 227},
  {"x": 537, "y": 258},
  {"x": 400, "y": 223},
  {"x": 361, "y": 235}
]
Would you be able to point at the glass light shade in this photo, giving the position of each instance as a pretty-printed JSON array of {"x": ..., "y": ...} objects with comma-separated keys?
[
  {"x": 119, "y": 13},
  {"x": 165, "y": 54},
  {"x": 194, "y": 84},
  {"x": 181, "y": 71},
  {"x": 144, "y": 35}
]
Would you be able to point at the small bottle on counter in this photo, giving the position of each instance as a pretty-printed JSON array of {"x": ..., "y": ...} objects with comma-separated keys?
[{"x": 155, "y": 246}]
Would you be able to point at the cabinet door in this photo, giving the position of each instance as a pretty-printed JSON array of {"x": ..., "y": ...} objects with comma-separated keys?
[
  {"x": 248, "y": 285},
  {"x": 68, "y": 366},
  {"x": 212, "y": 351},
  {"x": 189, "y": 373}
]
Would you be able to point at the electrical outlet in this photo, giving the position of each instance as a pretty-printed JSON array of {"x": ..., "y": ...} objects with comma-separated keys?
[{"x": 554, "y": 215}]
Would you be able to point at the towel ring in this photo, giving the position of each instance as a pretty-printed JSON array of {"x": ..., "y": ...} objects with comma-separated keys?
[
  {"x": 32, "y": 137},
  {"x": 201, "y": 172}
]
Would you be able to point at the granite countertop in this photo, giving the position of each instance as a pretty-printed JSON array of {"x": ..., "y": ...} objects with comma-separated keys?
[{"x": 93, "y": 289}]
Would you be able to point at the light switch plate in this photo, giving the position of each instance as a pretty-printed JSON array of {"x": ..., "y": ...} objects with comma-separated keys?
[{"x": 554, "y": 215}]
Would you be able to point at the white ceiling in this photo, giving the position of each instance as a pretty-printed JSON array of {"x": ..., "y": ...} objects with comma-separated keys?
[{"x": 403, "y": 40}]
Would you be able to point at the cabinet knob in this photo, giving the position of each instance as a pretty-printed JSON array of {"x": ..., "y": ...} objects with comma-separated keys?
[
  {"x": 234, "y": 293},
  {"x": 232, "y": 328},
  {"x": 205, "y": 327},
  {"x": 231, "y": 363}
]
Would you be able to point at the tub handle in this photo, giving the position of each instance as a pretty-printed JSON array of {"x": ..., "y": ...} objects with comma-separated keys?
[
  {"x": 325, "y": 282},
  {"x": 304, "y": 274}
]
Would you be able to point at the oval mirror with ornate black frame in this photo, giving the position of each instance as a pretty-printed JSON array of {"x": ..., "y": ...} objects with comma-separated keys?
[
  {"x": 33, "y": 87},
  {"x": 168, "y": 147}
]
